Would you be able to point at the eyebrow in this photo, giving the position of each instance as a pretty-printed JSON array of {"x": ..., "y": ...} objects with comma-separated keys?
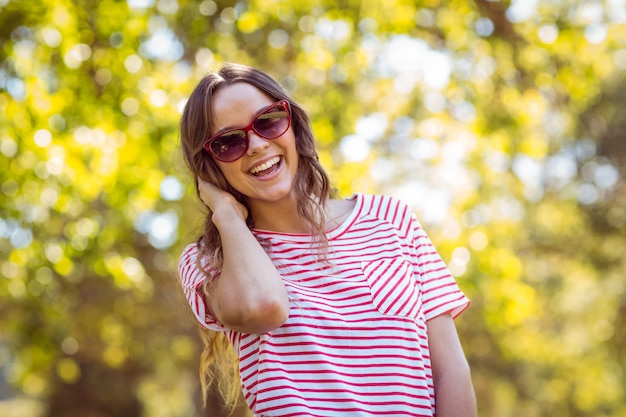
[{"x": 227, "y": 128}]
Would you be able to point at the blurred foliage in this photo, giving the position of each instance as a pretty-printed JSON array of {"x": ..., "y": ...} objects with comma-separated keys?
[{"x": 500, "y": 122}]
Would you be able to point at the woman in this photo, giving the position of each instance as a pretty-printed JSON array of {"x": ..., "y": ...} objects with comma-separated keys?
[{"x": 334, "y": 307}]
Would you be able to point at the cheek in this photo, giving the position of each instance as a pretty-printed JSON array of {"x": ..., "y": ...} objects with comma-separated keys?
[
  {"x": 296, "y": 161},
  {"x": 229, "y": 171},
  {"x": 295, "y": 156},
  {"x": 289, "y": 143},
  {"x": 234, "y": 183}
]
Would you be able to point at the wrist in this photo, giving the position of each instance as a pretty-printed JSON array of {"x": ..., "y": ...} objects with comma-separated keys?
[{"x": 227, "y": 214}]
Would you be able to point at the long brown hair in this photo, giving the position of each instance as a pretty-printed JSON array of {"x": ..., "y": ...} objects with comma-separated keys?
[{"x": 312, "y": 187}]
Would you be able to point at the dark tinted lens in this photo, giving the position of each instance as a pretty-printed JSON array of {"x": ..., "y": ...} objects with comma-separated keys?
[
  {"x": 272, "y": 123},
  {"x": 229, "y": 146}
]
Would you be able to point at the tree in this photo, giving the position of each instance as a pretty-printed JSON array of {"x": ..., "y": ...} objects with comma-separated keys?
[{"x": 498, "y": 121}]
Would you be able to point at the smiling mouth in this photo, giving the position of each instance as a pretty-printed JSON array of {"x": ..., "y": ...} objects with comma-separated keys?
[{"x": 266, "y": 168}]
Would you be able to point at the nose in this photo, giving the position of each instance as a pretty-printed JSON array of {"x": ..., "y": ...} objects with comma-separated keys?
[{"x": 256, "y": 144}]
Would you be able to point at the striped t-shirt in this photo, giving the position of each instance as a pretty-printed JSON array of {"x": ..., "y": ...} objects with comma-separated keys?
[{"x": 355, "y": 343}]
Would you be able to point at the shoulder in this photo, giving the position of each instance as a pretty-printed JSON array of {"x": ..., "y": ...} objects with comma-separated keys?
[
  {"x": 188, "y": 266},
  {"x": 385, "y": 207},
  {"x": 188, "y": 256},
  {"x": 192, "y": 273},
  {"x": 193, "y": 268}
]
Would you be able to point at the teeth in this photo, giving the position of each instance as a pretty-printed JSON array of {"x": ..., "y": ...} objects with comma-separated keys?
[{"x": 265, "y": 166}]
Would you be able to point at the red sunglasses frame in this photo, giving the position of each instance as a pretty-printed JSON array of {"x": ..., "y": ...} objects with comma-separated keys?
[{"x": 249, "y": 127}]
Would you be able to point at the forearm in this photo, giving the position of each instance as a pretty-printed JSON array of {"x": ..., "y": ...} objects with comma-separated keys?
[
  {"x": 249, "y": 294},
  {"x": 454, "y": 394}
]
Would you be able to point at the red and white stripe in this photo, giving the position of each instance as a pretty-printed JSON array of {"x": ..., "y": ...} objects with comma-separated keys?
[{"x": 355, "y": 343}]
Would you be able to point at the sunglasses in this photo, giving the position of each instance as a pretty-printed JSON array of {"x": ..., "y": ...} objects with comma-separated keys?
[{"x": 270, "y": 123}]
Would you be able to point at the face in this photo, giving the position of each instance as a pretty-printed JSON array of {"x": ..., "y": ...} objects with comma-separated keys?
[{"x": 266, "y": 172}]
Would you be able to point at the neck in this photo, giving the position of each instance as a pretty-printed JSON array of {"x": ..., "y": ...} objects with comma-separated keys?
[{"x": 279, "y": 216}]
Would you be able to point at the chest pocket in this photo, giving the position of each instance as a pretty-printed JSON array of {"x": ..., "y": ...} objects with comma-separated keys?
[{"x": 394, "y": 290}]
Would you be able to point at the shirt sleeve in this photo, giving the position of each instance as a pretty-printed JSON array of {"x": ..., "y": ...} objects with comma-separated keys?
[
  {"x": 192, "y": 279},
  {"x": 439, "y": 290}
]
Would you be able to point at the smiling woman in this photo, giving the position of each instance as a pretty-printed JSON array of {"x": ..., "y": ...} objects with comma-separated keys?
[
  {"x": 333, "y": 306},
  {"x": 260, "y": 160}
]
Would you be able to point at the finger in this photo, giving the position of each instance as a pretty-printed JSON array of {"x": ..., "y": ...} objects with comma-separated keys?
[{"x": 206, "y": 191}]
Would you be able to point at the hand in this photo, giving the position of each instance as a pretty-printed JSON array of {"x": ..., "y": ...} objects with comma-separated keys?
[{"x": 217, "y": 199}]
